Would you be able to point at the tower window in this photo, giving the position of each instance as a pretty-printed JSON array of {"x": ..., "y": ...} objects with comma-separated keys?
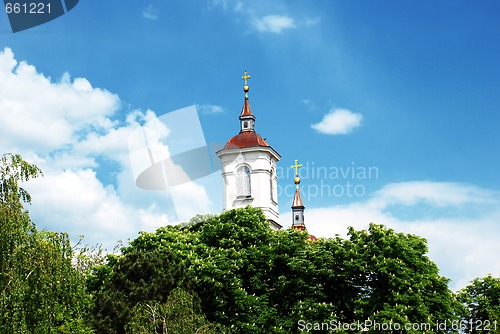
[
  {"x": 243, "y": 181},
  {"x": 296, "y": 217},
  {"x": 273, "y": 184},
  {"x": 245, "y": 124}
]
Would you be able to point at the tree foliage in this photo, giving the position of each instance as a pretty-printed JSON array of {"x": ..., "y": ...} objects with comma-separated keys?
[
  {"x": 481, "y": 300},
  {"x": 252, "y": 279},
  {"x": 227, "y": 273},
  {"x": 396, "y": 281},
  {"x": 40, "y": 290},
  {"x": 136, "y": 276},
  {"x": 180, "y": 314}
]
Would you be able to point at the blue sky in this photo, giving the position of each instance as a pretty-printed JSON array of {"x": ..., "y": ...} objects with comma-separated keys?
[{"x": 408, "y": 90}]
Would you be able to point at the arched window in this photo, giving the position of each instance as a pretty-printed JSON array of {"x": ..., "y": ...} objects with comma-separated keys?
[
  {"x": 273, "y": 184},
  {"x": 243, "y": 182}
]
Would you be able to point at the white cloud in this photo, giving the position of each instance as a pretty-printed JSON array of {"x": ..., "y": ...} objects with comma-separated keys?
[
  {"x": 256, "y": 15},
  {"x": 78, "y": 203},
  {"x": 311, "y": 22},
  {"x": 463, "y": 246},
  {"x": 435, "y": 193},
  {"x": 69, "y": 129},
  {"x": 273, "y": 23},
  {"x": 41, "y": 114},
  {"x": 310, "y": 105},
  {"x": 209, "y": 108},
  {"x": 338, "y": 122},
  {"x": 152, "y": 218},
  {"x": 190, "y": 199},
  {"x": 114, "y": 143},
  {"x": 150, "y": 13},
  {"x": 235, "y": 5}
]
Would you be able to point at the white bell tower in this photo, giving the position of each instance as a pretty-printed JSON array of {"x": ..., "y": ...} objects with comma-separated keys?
[{"x": 249, "y": 168}]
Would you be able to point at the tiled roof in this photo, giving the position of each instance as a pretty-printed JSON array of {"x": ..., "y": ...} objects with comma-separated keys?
[{"x": 245, "y": 139}]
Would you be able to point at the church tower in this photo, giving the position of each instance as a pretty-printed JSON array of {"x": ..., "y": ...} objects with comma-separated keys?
[
  {"x": 249, "y": 167},
  {"x": 297, "y": 205}
]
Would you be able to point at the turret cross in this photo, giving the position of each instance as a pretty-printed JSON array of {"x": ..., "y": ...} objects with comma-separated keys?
[
  {"x": 296, "y": 166},
  {"x": 245, "y": 77}
]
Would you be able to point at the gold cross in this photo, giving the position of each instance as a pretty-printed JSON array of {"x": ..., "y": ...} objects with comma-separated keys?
[
  {"x": 246, "y": 77},
  {"x": 296, "y": 166}
]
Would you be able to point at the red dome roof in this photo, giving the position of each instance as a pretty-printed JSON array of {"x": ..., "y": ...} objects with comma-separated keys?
[{"x": 245, "y": 139}]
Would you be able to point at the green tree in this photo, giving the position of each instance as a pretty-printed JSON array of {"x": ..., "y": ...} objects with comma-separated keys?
[
  {"x": 40, "y": 290},
  {"x": 321, "y": 282},
  {"x": 253, "y": 279},
  {"x": 395, "y": 279},
  {"x": 180, "y": 314},
  {"x": 138, "y": 275},
  {"x": 481, "y": 300},
  {"x": 55, "y": 298}
]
